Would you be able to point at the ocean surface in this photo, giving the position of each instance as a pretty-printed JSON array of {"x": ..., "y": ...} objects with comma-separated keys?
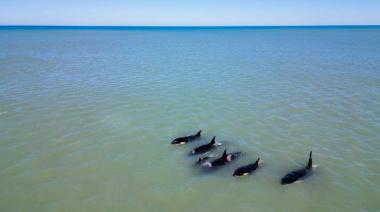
[{"x": 87, "y": 116}]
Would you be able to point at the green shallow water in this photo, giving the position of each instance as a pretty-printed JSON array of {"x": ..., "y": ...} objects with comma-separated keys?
[{"x": 87, "y": 116}]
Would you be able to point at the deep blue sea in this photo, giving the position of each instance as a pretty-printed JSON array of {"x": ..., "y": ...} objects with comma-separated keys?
[{"x": 87, "y": 115}]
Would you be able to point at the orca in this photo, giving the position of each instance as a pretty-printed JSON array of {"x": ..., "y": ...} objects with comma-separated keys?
[
  {"x": 202, "y": 160},
  {"x": 296, "y": 175},
  {"x": 224, "y": 159},
  {"x": 186, "y": 139},
  {"x": 206, "y": 147},
  {"x": 247, "y": 169}
]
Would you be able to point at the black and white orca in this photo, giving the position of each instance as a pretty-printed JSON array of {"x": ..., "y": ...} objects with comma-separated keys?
[
  {"x": 296, "y": 175},
  {"x": 205, "y": 148},
  {"x": 247, "y": 169},
  {"x": 224, "y": 159},
  {"x": 202, "y": 160},
  {"x": 186, "y": 139}
]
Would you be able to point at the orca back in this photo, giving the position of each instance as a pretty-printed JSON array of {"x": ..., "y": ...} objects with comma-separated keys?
[
  {"x": 186, "y": 139},
  {"x": 293, "y": 176}
]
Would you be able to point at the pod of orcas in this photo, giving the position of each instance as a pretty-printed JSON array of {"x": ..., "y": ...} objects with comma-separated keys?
[{"x": 206, "y": 162}]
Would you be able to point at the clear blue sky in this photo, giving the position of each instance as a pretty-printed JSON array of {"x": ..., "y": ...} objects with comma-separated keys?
[{"x": 189, "y": 12}]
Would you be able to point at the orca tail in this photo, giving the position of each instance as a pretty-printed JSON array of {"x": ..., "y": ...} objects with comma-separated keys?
[
  {"x": 198, "y": 133},
  {"x": 310, "y": 163}
]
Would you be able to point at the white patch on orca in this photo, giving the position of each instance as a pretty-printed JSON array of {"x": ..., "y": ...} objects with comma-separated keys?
[
  {"x": 218, "y": 144},
  {"x": 229, "y": 157},
  {"x": 182, "y": 142},
  {"x": 298, "y": 182},
  {"x": 207, "y": 164},
  {"x": 245, "y": 174},
  {"x": 315, "y": 166},
  {"x": 192, "y": 152}
]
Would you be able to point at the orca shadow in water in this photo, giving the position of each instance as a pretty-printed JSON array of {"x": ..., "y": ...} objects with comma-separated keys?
[
  {"x": 223, "y": 160},
  {"x": 186, "y": 139},
  {"x": 296, "y": 175},
  {"x": 206, "y": 147},
  {"x": 247, "y": 169}
]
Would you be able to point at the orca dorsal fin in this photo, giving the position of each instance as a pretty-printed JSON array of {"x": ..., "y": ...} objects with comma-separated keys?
[
  {"x": 257, "y": 161},
  {"x": 224, "y": 156},
  {"x": 198, "y": 133},
  {"x": 212, "y": 140},
  {"x": 310, "y": 163}
]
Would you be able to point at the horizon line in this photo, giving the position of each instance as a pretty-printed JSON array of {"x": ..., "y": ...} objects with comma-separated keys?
[{"x": 197, "y": 26}]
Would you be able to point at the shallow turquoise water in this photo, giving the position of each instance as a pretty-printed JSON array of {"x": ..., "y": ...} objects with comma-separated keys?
[{"x": 86, "y": 117}]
